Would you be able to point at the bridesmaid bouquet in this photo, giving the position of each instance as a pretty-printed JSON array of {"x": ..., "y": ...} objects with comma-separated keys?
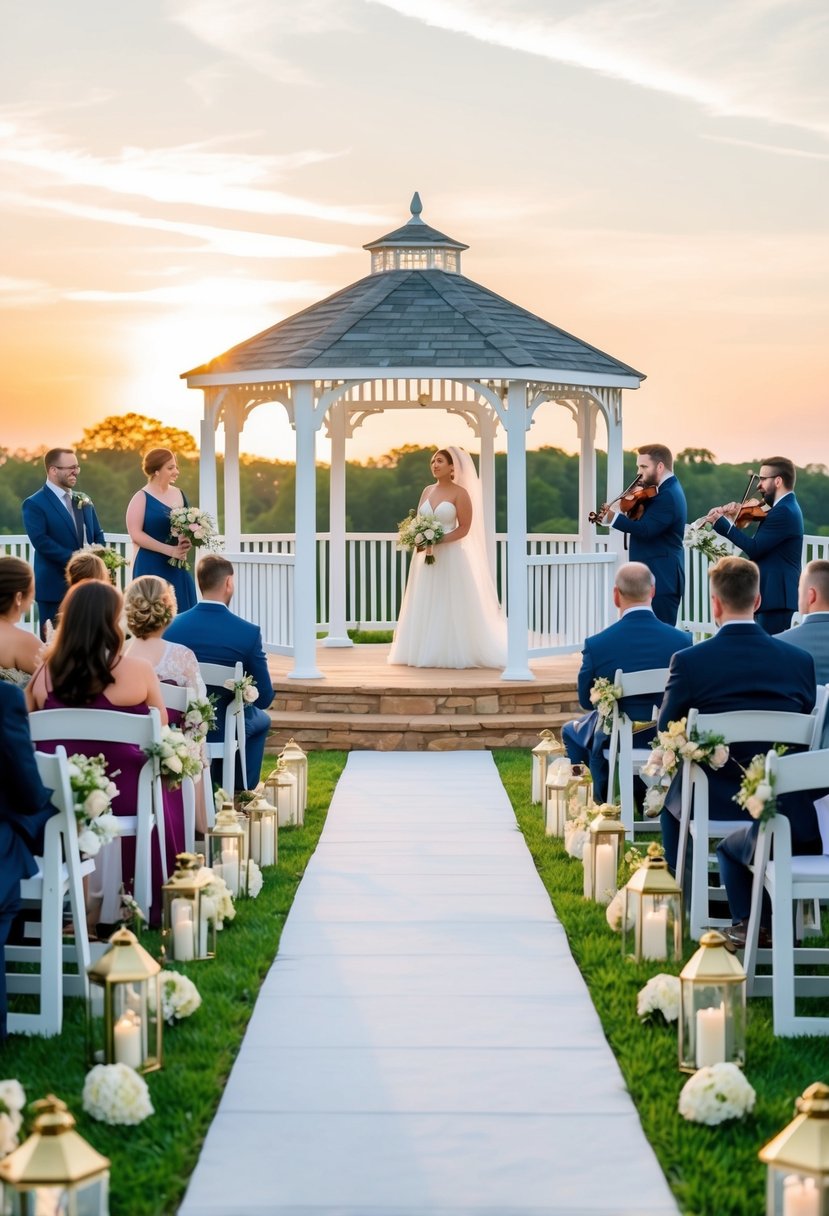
[
  {"x": 420, "y": 531},
  {"x": 199, "y": 527}
]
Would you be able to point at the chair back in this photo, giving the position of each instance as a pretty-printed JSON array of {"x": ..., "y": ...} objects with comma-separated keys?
[
  {"x": 802, "y": 771},
  {"x": 620, "y": 752},
  {"x": 747, "y": 725},
  {"x": 820, "y": 714},
  {"x": 642, "y": 683},
  {"x": 176, "y": 696},
  {"x": 233, "y": 735}
]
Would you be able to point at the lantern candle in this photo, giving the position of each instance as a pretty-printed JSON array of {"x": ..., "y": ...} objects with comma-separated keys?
[
  {"x": 800, "y": 1197},
  {"x": 605, "y": 873},
  {"x": 267, "y": 854},
  {"x": 230, "y": 870},
  {"x": 256, "y": 842},
  {"x": 655, "y": 934},
  {"x": 207, "y": 913},
  {"x": 183, "y": 941},
  {"x": 710, "y": 1036},
  {"x": 127, "y": 1040}
]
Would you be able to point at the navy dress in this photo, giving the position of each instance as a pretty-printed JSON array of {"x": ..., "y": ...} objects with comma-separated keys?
[{"x": 147, "y": 561}]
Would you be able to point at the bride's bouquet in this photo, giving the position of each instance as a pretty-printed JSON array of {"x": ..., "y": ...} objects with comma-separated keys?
[
  {"x": 420, "y": 531},
  {"x": 199, "y": 527}
]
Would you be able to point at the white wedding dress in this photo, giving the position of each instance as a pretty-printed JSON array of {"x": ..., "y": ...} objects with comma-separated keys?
[{"x": 450, "y": 616}]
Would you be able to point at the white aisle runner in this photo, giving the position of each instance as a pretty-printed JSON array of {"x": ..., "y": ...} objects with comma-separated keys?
[{"x": 424, "y": 1042}]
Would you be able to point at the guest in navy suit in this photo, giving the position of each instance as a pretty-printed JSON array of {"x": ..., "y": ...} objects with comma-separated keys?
[
  {"x": 217, "y": 635},
  {"x": 58, "y": 521},
  {"x": 636, "y": 642},
  {"x": 656, "y": 539},
  {"x": 740, "y": 668},
  {"x": 812, "y": 633},
  {"x": 777, "y": 545},
  {"x": 24, "y": 811}
]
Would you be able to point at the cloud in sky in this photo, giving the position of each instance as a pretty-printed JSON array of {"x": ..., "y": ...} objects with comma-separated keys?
[{"x": 207, "y": 293}]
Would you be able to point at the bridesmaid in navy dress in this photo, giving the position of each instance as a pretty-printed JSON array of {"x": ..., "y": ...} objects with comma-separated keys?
[{"x": 148, "y": 523}]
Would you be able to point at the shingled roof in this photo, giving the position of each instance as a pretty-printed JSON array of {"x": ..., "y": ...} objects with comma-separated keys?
[{"x": 415, "y": 318}]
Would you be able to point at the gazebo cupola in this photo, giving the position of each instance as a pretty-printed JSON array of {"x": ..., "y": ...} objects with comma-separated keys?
[{"x": 415, "y": 246}]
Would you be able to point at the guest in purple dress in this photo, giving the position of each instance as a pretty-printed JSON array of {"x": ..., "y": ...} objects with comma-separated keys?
[{"x": 85, "y": 669}]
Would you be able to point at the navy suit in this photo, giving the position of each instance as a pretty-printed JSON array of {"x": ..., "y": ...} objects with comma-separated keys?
[
  {"x": 656, "y": 540},
  {"x": 777, "y": 548},
  {"x": 217, "y": 635},
  {"x": 55, "y": 536},
  {"x": 739, "y": 668},
  {"x": 24, "y": 811},
  {"x": 812, "y": 634},
  {"x": 636, "y": 642}
]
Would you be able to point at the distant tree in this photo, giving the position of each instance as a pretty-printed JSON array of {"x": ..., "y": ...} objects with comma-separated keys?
[
  {"x": 137, "y": 433},
  {"x": 696, "y": 456}
]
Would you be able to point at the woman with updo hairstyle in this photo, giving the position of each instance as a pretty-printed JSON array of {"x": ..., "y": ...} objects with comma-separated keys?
[
  {"x": 148, "y": 523},
  {"x": 85, "y": 668},
  {"x": 19, "y": 649}
]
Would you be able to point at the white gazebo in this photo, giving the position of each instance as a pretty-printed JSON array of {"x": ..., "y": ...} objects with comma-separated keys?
[{"x": 415, "y": 331}]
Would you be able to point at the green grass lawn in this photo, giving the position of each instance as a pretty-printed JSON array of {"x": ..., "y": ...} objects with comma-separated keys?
[
  {"x": 712, "y": 1171},
  {"x": 152, "y": 1162}
]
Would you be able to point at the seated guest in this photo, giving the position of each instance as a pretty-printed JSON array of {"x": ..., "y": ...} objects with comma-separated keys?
[
  {"x": 740, "y": 667},
  {"x": 636, "y": 642},
  {"x": 217, "y": 635},
  {"x": 812, "y": 633},
  {"x": 85, "y": 565},
  {"x": 24, "y": 811},
  {"x": 86, "y": 669},
  {"x": 19, "y": 649},
  {"x": 150, "y": 605}
]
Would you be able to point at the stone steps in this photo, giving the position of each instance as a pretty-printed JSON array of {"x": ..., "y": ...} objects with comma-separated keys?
[{"x": 411, "y": 731}]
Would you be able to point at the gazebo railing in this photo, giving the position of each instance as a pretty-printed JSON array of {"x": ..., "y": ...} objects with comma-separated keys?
[{"x": 569, "y": 597}]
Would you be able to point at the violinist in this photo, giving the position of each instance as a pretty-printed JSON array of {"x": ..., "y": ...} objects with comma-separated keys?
[
  {"x": 777, "y": 543},
  {"x": 656, "y": 535}
]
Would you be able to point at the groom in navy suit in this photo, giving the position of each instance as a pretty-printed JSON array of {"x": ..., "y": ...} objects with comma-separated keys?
[
  {"x": 636, "y": 642},
  {"x": 58, "y": 521},
  {"x": 24, "y": 811},
  {"x": 777, "y": 545},
  {"x": 656, "y": 538},
  {"x": 217, "y": 635}
]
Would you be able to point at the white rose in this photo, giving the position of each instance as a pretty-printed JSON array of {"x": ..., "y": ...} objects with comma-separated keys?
[
  {"x": 173, "y": 764},
  {"x": 719, "y": 756},
  {"x": 74, "y": 771},
  {"x": 12, "y": 1095},
  {"x": 96, "y": 803},
  {"x": 763, "y": 791},
  {"x": 429, "y": 534},
  {"x": 88, "y": 842},
  {"x": 250, "y": 694}
]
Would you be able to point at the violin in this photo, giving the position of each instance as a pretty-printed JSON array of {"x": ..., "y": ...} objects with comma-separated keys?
[
  {"x": 631, "y": 502},
  {"x": 751, "y": 510}
]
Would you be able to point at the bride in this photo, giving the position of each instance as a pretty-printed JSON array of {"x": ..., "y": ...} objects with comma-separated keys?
[{"x": 450, "y": 615}]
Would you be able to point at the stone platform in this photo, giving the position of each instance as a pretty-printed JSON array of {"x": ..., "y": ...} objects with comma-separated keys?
[{"x": 364, "y": 704}]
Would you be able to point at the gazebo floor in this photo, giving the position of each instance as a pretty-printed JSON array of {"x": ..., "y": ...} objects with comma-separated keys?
[{"x": 364, "y": 704}]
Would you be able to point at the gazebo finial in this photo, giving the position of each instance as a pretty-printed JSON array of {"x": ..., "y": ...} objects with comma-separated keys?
[{"x": 416, "y": 206}]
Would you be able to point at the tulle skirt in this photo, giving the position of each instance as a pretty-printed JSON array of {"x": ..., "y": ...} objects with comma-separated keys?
[{"x": 450, "y": 615}]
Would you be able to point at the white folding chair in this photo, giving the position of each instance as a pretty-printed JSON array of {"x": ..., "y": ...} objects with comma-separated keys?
[
  {"x": 177, "y": 697},
  {"x": 738, "y": 726},
  {"x": 92, "y": 726},
  {"x": 60, "y": 873},
  {"x": 788, "y": 879},
  {"x": 233, "y": 740},
  {"x": 621, "y": 753}
]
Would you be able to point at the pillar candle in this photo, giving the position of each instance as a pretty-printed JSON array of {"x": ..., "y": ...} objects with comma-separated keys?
[
  {"x": 605, "y": 884},
  {"x": 710, "y": 1036},
  {"x": 207, "y": 913},
  {"x": 181, "y": 912},
  {"x": 655, "y": 934},
  {"x": 256, "y": 841},
  {"x": 800, "y": 1196},
  {"x": 268, "y": 838},
  {"x": 127, "y": 1040}
]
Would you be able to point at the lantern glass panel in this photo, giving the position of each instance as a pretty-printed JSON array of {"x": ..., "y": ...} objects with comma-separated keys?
[
  {"x": 76, "y": 1199},
  {"x": 263, "y": 832},
  {"x": 712, "y": 1026},
  {"x": 796, "y": 1193},
  {"x": 124, "y": 1022},
  {"x": 652, "y": 912},
  {"x": 188, "y": 913}
]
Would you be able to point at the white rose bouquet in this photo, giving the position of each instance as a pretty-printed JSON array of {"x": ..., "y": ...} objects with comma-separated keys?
[
  {"x": 179, "y": 996},
  {"x": 199, "y": 527},
  {"x": 420, "y": 531},
  {"x": 660, "y": 995},
  {"x": 756, "y": 792},
  {"x": 703, "y": 537},
  {"x": 178, "y": 756},
  {"x": 604, "y": 694},
  {"x": 244, "y": 689},
  {"x": 673, "y": 747},
  {"x": 115, "y": 1093},
  {"x": 716, "y": 1093},
  {"x": 12, "y": 1102},
  {"x": 92, "y": 794},
  {"x": 199, "y": 717}
]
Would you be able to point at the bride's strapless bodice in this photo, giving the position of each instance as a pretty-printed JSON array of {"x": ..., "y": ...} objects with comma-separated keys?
[{"x": 445, "y": 512}]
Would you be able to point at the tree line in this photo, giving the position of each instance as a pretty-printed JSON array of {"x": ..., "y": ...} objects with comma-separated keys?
[{"x": 379, "y": 493}]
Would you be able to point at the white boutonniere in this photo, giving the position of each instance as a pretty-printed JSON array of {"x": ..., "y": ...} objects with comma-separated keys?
[{"x": 81, "y": 500}]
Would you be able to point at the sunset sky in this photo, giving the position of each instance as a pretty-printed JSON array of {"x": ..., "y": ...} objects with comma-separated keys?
[{"x": 177, "y": 175}]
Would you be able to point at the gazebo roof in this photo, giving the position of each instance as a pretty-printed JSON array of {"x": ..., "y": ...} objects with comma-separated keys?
[{"x": 414, "y": 318}]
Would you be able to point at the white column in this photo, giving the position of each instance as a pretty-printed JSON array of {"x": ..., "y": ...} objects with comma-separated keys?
[
  {"x": 208, "y": 500},
  {"x": 486, "y": 428},
  {"x": 305, "y": 559},
  {"x": 615, "y": 468},
  {"x": 587, "y": 472},
  {"x": 233, "y": 506},
  {"x": 337, "y": 632},
  {"x": 517, "y": 667}
]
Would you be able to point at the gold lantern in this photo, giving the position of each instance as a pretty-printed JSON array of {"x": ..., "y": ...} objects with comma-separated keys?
[
  {"x": 226, "y": 855},
  {"x": 124, "y": 1021},
  {"x": 652, "y": 911},
  {"x": 55, "y": 1170},
  {"x": 547, "y": 747},
  {"x": 556, "y": 796},
  {"x": 712, "y": 1007},
  {"x": 281, "y": 789},
  {"x": 602, "y": 854},
  {"x": 579, "y": 789},
  {"x": 263, "y": 831},
  {"x": 188, "y": 916},
  {"x": 798, "y": 1159},
  {"x": 296, "y": 763}
]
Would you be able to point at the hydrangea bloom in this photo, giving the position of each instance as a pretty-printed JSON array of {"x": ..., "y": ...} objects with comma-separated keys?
[
  {"x": 714, "y": 1094},
  {"x": 660, "y": 995},
  {"x": 115, "y": 1093}
]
